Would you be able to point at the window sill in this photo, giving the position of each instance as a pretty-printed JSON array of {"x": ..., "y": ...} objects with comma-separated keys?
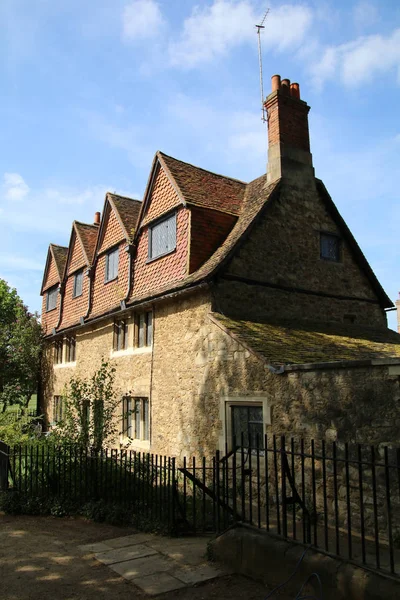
[
  {"x": 131, "y": 443},
  {"x": 150, "y": 260},
  {"x": 65, "y": 365},
  {"x": 49, "y": 310},
  {"x": 130, "y": 351},
  {"x": 110, "y": 280},
  {"x": 330, "y": 260},
  {"x": 77, "y": 296}
]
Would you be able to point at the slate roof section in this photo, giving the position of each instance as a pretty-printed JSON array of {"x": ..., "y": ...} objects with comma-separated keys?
[
  {"x": 127, "y": 210},
  {"x": 204, "y": 188},
  {"x": 88, "y": 237},
  {"x": 297, "y": 343}
]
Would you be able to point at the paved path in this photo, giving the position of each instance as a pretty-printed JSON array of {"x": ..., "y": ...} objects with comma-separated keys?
[{"x": 156, "y": 564}]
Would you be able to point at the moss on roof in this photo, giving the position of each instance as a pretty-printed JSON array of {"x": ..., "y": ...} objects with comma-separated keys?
[{"x": 308, "y": 342}]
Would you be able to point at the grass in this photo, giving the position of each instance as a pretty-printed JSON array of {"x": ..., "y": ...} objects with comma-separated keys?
[{"x": 16, "y": 407}]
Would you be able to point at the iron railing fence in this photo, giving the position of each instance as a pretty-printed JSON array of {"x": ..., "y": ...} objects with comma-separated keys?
[{"x": 343, "y": 499}]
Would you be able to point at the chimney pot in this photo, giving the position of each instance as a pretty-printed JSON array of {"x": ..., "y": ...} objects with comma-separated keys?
[
  {"x": 285, "y": 86},
  {"x": 275, "y": 82},
  {"x": 295, "y": 90},
  {"x": 96, "y": 218}
]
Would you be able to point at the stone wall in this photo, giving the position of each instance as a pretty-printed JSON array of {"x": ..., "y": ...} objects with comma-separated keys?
[
  {"x": 194, "y": 369},
  {"x": 283, "y": 250},
  {"x": 133, "y": 366},
  {"x": 242, "y": 300}
]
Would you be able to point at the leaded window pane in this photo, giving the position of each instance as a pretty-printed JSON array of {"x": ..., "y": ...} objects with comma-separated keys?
[
  {"x": 149, "y": 328},
  {"x": 141, "y": 330},
  {"x": 138, "y": 417},
  {"x": 112, "y": 265},
  {"x": 127, "y": 417},
  {"x": 247, "y": 425},
  {"x": 51, "y": 301},
  {"x": 330, "y": 247},
  {"x": 162, "y": 238},
  {"x": 146, "y": 424},
  {"x": 78, "y": 283}
]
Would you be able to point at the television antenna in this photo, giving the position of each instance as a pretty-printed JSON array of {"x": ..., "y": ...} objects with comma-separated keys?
[{"x": 259, "y": 27}]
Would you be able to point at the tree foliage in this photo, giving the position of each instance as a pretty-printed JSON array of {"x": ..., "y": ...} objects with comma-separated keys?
[
  {"x": 20, "y": 349},
  {"x": 19, "y": 431},
  {"x": 89, "y": 407}
]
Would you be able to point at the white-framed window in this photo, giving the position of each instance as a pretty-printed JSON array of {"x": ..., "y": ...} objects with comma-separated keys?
[
  {"x": 244, "y": 421},
  {"x": 143, "y": 329},
  {"x": 78, "y": 284},
  {"x": 162, "y": 237},
  {"x": 330, "y": 247},
  {"x": 57, "y": 409},
  {"x": 51, "y": 298},
  {"x": 136, "y": 418},
  {"x": 112, "y": 258},
  {"x": 247, "y": 426}
]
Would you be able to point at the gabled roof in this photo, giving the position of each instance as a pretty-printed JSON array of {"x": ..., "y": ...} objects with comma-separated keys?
[
  {"x": 126, "y": 211},
  {"x": 196, "y": 186},
  {"x": 59, "y": 255},
  {"x": 86, "y": 235},
  {"x": 258, "y": 194},
  {"x": 358, "y": 253},
  {"x": 204, "y": 188},
  {"x": 293, "y": 342}
]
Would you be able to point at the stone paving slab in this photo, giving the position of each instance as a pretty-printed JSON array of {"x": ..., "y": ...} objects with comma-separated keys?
[
  {"x": 193, "y": 575},
  {"x": 122, "y": 554},
  {"x": 190, "y": 551},
  {"x": 93, "y": 548},
  {"x": 156, "y": 564},
  {"x": 141, "y": 567},
  {"x": 129, "y": 540},
  {"x": 159, "y": 583}
]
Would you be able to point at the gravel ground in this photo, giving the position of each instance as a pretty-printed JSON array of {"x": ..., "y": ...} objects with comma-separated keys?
[{"x": 39, "y": 559}]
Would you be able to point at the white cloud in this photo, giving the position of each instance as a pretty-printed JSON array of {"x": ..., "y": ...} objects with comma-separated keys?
[
  {"x": 359, "y": 61},
  {"x": 46, "y": 209},
  {"x": 214, "y": 30},
  {"x": 237, "y": 138},
  {"x": 14, "y": 186},
  {"x": 365, "y": 14},
  {"x": 141, "y": 19},
  {"x": 12, "y": 262}
]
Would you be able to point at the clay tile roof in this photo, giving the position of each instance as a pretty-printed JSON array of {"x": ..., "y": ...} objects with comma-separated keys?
[
  {"x": 128, "y": 210},
  {"x": 60, "y": 254},
  {"x": 294, "y": 342},
  {"x": 88, "y": 236},
  {"x": 258, "y": 194},
  {"x": 204, "y": 188}
]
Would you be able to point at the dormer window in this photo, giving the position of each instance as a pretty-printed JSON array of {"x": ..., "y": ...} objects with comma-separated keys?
[
  {"x": 51, "y": 299},
  {"x": 78, "y": 282},
  {"x": 162, "y": 237},
  {"x": 330, "y": 247},
  {"x": 112, "y": 264}
]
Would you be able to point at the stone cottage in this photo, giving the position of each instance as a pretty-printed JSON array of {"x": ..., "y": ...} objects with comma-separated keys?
[{"x": 226, "y": 307}]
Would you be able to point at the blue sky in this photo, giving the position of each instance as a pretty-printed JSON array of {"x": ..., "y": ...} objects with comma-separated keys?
[{"x": 91, "y": 89}]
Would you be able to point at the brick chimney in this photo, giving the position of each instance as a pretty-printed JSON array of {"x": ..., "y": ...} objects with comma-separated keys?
[
  {"x": 96, "y": 220},
  {"x": 288, "y": 135}
]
